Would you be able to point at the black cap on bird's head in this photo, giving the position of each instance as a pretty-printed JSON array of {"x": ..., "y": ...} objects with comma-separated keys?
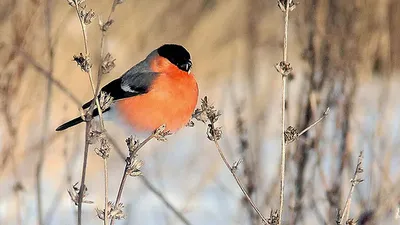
[{"x": 177, "y": 55}]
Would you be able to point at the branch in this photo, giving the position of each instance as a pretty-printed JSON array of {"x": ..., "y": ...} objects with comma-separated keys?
[
  {"x": 291, "y": 133},
  {"x": 209, "y": 115},
  {"x": 86, "y": 18},
  {"x": 354, "y": 181},
  {"x": 105, "y": 66},
  {"x": 284, "y": 69},
  {"x": 133, "y": 164},
  {"x": 85, "y": 64},
  {"x": 151, "y": 187},
  {"x": 233, "y": 169}
]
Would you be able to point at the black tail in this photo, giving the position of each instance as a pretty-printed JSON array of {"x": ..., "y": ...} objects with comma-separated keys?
[
  {"x": 78, "y": 120},
  {"x": 69, "y": 124}
]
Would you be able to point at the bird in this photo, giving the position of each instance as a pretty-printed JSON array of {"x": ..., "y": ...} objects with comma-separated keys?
[{"x": 159, "y": 90}]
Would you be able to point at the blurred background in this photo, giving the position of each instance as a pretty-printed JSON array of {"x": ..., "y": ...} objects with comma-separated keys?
[{"x": 345, "y": 55}]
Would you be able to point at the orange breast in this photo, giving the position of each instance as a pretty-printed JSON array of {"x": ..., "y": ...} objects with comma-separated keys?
[{"x": 171, "y": 100}]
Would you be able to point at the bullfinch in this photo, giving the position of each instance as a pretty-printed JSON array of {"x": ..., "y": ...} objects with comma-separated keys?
[{"x": 158, "y": 90}]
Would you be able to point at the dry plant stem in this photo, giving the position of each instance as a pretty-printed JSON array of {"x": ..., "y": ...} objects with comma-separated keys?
[
  {"x": 84, "y": 165},
  {"x": 122, "y": 184},
  {"x": 85, "y": 44},
  {"x": 283, "y": 150},
  {"x": 150, "y": 186},
  {"x": 102, "y": 41},
  {"x": 96, "y": 91},
  {"x": 239, "y": 183},
  {"x": 354, "y": 181},
  {"x": 105, "y": 191},
  {"x": 315, "y": 123},
  {"x": 125, "y": 174},
  {"x": 99, "y": 75},
  {"x": 96, "y": 100},
  {"x": 292, "y": 133}
]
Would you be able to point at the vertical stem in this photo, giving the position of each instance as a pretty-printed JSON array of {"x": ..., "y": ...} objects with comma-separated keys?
[
  {"x": 346, "y": 209},
  {"x": 128, "y": 162},
  {"x": 241, "y": 186},
  {"x": 105, "y": 191},
  {"x": 95, "y": 90},
  {"x": 283, "y": 150},
  {"x": 84, "y": 166},
  {"x": 85, "y": 44},
  {"x": 285, "y": 37},
  {"x": 96, "y": 100}
]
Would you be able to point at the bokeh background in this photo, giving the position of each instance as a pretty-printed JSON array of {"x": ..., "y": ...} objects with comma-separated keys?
[{"x": 345, "y": 55}]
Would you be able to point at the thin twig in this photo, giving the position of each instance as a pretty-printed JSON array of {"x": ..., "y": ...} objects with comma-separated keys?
[
  {"x": 83, "y": 177},
  {"x": 150, "y": 186},
  {"x": 209, "y": 116},
  {"x": 354, "y": 181},
  {"x": 233, "y": 172},
  {"x": 283, "y": 150},
  {"x": 96, "y": 100},
  {"x": 89, "y": 72},
  {"x": 285, "y": 38},
  {"x": 316, "y": 122},
  {"x": 105, "y": 191},
  {"x": 291, "y": 134},
  {"x": 127, "y": 165},
  {"x": 96, "y": 92},
  {"x": 102, "y": 43}
]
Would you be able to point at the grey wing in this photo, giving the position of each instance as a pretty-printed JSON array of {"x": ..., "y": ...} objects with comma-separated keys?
[
  {"x": 138, "y": 79},
  {"x": 135, "y": 81}
]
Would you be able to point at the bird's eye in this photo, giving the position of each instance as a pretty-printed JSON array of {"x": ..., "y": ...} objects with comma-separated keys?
[{"x": 186, "y": 66}]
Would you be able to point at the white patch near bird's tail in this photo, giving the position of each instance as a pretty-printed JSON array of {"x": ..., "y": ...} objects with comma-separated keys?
[{"x": 114, "y": 116}]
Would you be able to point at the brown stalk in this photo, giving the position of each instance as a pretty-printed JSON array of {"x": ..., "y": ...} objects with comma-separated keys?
[
  {"x": 96, "y": 92},
  {"x": 233, "y": 169},
  {"x": 151, "y": 187},
  {"x": 354, "y": 181},
  {"x": 128, "y": 162},
  {"x": 87, "y": 130},
  {"x": 209, "y": 115},
  {"x": 89, "y": 72},
  {"x": 83, "y": 177},
  {"x": 284, "y": 69}
]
